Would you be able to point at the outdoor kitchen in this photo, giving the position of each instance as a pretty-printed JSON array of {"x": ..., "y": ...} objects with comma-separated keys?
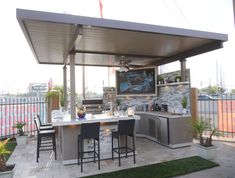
[
  {"x": 163, "y": 118},
  {"x": 144, "y": 103}
]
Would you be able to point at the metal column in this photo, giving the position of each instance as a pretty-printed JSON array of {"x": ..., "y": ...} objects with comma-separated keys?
[
  {"x": 72, "y": 86},
  {"x": 65, "y": 87},
  {"x": 183, "y": 70}
]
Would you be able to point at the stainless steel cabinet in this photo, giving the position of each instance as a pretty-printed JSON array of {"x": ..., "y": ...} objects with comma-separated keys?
[
  {"x": 170, "y": 131},
  {"x": 142, "y": 126},
  {"x": 148, "y": 125},
  {"x": 164, "y": 130},
  {"x": 152, "y": 128}
]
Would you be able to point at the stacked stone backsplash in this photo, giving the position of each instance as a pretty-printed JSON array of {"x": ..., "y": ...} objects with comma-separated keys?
[
  {"x": 109, "y": 95},
  {"x": 171, "y": 95},
  {"x": 140, "y": 103}
]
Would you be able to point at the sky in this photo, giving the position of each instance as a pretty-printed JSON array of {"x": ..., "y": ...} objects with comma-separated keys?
[{"x": 19, "y": 68}]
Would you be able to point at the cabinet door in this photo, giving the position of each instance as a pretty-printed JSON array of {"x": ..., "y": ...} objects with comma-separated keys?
[
  {"x": 152, "y": 128},
  {"x": 163, "y": 137},
  {"x": 158, "y": 129},
  {"x": 143, "y": 125},
  {"x": 180, "y": 131}
]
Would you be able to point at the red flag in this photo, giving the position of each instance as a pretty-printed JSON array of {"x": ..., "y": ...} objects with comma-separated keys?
[{"x": 101, "y": 9}]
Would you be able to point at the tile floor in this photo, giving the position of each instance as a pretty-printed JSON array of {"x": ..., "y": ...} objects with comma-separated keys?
[{"x": 148, "y": 153}]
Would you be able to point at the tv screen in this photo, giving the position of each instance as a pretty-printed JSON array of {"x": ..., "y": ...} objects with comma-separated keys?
[{"x": 138, "y": 81}]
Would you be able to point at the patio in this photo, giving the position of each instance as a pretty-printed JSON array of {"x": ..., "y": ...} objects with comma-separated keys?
[
  {"x": 148, "y": 153},
  {"x": 46, "y": 34}
]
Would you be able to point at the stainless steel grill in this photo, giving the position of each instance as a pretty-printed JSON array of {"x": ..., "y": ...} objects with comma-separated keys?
[{"x": 93, "y": 106}]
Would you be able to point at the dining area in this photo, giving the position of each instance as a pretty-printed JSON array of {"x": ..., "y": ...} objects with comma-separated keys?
[{"x": 92, "y": 138}]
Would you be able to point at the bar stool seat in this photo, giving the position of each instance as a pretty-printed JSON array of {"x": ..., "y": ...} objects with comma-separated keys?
[
  {"x": 89, "y": 131},
  {"x": 46, "y": 139},
  {"x": 126, "y": 129}
]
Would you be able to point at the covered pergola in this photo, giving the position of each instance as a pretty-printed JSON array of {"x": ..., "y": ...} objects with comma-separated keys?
[{"x": 77, "y": 40}]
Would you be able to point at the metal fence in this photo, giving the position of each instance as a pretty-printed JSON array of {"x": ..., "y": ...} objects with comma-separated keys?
[
  {"x": 16, "y": 109},
  {"x": 219, "y": 111}
]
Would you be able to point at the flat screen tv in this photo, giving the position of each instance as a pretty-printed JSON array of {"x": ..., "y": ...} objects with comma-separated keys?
[{"x": 137, "y": 81}]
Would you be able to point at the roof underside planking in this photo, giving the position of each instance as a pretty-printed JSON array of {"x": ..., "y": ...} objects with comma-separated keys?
[{"x": 103, "y": 42}]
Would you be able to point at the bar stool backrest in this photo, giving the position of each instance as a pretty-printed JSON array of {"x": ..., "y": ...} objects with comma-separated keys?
[
  {"x": 90, "y": 130},
  {"x": 36, "y": 121},
  {"x": 126, "y": 127},
  {"x": 39, "y": 119}
]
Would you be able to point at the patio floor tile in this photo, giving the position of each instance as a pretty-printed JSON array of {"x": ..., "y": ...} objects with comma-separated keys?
[{"x": 148, "y": 153}]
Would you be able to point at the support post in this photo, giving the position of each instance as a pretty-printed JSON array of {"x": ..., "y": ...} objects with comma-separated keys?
[
  {"x": 194, "y": 106},
  {"x": 72, "y": 86},
  {"x": 183, "y": 69},
  {"x": 83, "y": 82},
  {"x": 65, "y": 87}
]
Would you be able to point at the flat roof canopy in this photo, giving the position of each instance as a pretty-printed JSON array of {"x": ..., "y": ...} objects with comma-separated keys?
[{"x": 102, "y": 42}]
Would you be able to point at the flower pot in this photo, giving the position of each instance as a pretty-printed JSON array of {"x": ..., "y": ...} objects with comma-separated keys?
[
  {"x": 81, "y": 115},
  {"x": 206, "y": 152},
  {"x": 184, "y": 111},
  {"x": 21, "y": 140},
  {"x": 9, "y": 173}
]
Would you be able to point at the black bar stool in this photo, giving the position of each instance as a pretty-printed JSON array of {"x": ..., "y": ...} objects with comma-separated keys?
[
  {"x": 125, "y": 128},
  {"x": 46, "y": 139},
  {"x": 89, "y": 131},
  {"x": 44, "y": 126}
]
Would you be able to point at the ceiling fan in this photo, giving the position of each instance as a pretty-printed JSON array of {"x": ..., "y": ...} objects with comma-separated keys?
[{"x": 124, "y": 64}]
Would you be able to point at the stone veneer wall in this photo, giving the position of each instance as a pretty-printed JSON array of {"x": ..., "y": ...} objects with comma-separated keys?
[
  {"x": 140, "y": 103},
  {"x": 109, "y": 95},
  {"x": 170, "y": 94},
  {"x": 173, "y": 95}
]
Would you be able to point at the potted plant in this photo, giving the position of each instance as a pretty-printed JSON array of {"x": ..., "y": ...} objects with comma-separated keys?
[
  {"x": 160, "y": 79},
  {"x": 184, "y": 103},
  {"x": 118, "y": 103},
  {"x": 21, "y": 139},
  {"x": 6, "y": 171},
  {"x": 178, "y": 78},
  {"x": 205, "y": 147},
  {"x": 81, "y": 112}
]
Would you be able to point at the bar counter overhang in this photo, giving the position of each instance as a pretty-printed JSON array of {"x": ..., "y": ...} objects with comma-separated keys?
[{"x": 68, "y": 130}]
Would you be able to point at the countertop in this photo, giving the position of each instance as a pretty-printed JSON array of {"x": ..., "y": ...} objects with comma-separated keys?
[
  {"x": 66, "y": 120},
  {"x": 165, "y": 114}
]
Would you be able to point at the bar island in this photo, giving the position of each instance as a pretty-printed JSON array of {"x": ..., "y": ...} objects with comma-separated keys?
[{"x": 68, "y": 130}]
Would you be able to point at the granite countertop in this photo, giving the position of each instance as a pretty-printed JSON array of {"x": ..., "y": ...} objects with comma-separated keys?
[
  {"x": 165, "y": 114},
  {"x": 66, "y": 120}
]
